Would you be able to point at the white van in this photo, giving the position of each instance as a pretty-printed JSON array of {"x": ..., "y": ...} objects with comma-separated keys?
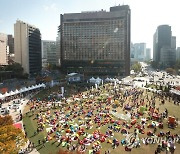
[
  {"x": 17, "y": 101},
  {"x": 15, "y": 106},
  {"x": 4, "y": 111}
]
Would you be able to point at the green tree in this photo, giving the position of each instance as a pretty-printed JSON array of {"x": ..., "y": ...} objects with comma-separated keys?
[
  {"x": 16, "y": 68},
  {"x": 136, "y": 67},
  {"x": 47, "y": 79},
  {"x": 154, "y": 64}
]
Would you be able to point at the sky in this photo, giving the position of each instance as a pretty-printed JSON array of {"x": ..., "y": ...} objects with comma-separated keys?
[{"x": 146, "y": 15}]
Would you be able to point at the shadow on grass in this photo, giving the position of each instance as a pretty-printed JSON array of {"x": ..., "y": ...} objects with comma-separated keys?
[
  {"x": 38, "y": 145},
  {"x": 40, "y": 148},
  {"x": 54, "y": 142}
]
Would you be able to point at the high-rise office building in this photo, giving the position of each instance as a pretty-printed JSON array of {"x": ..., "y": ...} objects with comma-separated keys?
[
  {"x": 27, "y": 47},
  {"x": 132, "y": 51},
  {"x": 11, "y": 44},
  {"x": 49, "y": 51},
  {"x": 4, "y": 49},
  {"x": 58, "y": 47},
  {"x": 148, "y": 54},
  {"x": 164, "y": 47},
  {"x": 178, "y": 53},
  {"x": 167, "y": 56},
  {"x": 96, "y": 42},
  {"x": 140, "y": 51},
  {"x": 162, "y": 37},
  {"x": 173, "y": 42}
]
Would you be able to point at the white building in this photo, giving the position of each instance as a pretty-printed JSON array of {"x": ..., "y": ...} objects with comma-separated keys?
[
  {"x": 140, "y": 51},
  {"x": 4, "y": 49},
  {"x": 58, "y": 47},
  {"x": 27, "y": 47}
]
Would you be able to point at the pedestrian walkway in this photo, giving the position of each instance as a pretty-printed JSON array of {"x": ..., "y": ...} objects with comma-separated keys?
[
  {"x": 30, "y": 150},
  {"x": 27, "y": 149},
  {"x": 34, "y": 151},
  {"x": 15, "y": 115}
]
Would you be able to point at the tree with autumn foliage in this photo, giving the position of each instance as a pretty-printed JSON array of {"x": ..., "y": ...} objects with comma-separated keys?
[
  {"x": 7, "y": 120},
  {"x": 12, "y": 139},
  {"x": 170, "y": 71},
  {"x": 47, "y": 79}
]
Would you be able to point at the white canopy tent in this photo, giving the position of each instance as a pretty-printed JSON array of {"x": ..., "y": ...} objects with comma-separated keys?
[
  {"x": 98, "y": 81},
  {"x": 107, "y": 79},
  {"x": 11, "y": 93},
  {"x": 1, "y": 96},
  {"x": 92, "y": 80},
  {"x": 174, "y": 91},
  {"x": 6, "y": 94},
  {"x": 24, "y": 89},
  {"x": 16, "y": 91}
]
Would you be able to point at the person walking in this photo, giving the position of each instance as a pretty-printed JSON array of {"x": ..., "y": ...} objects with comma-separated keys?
[
  {"x": 39, "y": 142},
  {"x": 43, "y": 141}
]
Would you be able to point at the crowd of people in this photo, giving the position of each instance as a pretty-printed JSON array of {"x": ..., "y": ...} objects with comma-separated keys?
[{"x": 84, "y": 121}]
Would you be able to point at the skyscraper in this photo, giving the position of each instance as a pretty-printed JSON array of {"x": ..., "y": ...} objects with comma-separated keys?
[
  {"x": 178, "y": 53},
  {"x": 11, "y": 44},
  {"x": 162, "y": 37},
  {"x": 140, "y": 51},
  {"x": 96, "y": 42},
  {"x": 58, "y": 47},
  {"x": 49, "y": 55},
  {"x": 173, "y": 42},
  {"x": 164, "y": 47},
  {"x": 27, "y": 47},
  {"x": 167, "y": 56},
  {"x": 148, "y": 54}
]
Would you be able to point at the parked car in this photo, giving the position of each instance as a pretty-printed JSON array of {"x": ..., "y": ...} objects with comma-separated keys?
[
  {"x": 17, "y": 101},
  {"x": 4, "y": 111},
  {"x": 15, "y": 106},
  {"x": 9, "y": 107},
  {"x": 151, "y": 80}
]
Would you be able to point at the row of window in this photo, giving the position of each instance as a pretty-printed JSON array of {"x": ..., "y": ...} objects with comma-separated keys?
[
  {"x": 110, "y": 56},
  {"x": 105, "y": 23},
  {"x": 106, "y": 31}
]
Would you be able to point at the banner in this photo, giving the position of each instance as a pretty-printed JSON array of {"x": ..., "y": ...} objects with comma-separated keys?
[{"x": 62, "y": 90}]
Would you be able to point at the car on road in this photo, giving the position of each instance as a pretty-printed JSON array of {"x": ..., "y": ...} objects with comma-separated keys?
[
  {"x": 4, "y": 111},
  {"x": 16, "y": 106},
  {"x": 17, "y": 102},
  {"x": 140, "y": 80},
  {"x": 151, "y": 80}
]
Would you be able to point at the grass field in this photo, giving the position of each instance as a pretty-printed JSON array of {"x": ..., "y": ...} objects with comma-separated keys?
[{"x": 51, "y": 147}]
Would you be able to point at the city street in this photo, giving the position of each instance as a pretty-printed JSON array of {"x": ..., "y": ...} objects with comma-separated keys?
[{"x": 156, "y": 77}]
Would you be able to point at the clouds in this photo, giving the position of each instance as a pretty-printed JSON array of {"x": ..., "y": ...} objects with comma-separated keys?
[{"x": 51, "y": 7}]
